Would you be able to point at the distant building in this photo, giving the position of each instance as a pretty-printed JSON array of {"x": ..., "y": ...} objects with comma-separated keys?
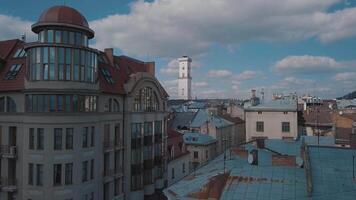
[
  {"x": 185, "y": 78},
  {"x": 202, "y": 148},
  {"x": 178, "y": 158},
  {"x": 277, "y": 119}
]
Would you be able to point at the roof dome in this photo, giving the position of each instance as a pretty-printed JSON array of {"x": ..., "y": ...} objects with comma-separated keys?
[{"x": 62, "y": 16}]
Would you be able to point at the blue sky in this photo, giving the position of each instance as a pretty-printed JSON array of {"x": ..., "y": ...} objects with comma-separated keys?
[{"x": 303, "y": 46}]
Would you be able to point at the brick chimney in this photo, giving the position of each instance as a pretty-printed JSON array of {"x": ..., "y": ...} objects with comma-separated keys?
[
  {"x": 109, "y": 52},
  {"x": 150, "y": 66}
]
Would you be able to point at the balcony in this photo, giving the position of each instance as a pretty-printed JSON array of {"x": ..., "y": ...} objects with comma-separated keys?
[
  {"x": 8, "y": 184},
  {"x": 8, "y": 151}
]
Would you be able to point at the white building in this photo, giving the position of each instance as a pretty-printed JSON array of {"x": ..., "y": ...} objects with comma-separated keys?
[
  {"x": 276, "y": 119},
  {"x": 184, "y": 78}
]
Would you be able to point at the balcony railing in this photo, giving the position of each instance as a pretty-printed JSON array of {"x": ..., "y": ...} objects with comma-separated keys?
[
  {"x": 8, "y": 151},
  {"x": 8, "y": 184}
]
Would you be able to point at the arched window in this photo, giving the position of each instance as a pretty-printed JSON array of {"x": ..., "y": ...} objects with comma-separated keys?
[
  {"x": 146, "y": 100},
  {"x": 115, "y": 106},
  {"x": 112, "y": 105},
  {"x": 10, "y": 104}
]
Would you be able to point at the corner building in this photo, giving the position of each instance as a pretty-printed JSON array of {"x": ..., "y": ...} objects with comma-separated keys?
[{"x": 75, "y": 122}]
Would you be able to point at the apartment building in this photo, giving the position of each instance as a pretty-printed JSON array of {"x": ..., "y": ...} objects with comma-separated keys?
[{"x": 77, "y": 122}]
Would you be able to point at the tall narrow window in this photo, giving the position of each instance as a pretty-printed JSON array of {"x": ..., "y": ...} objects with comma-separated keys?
[
  {"x": 85, "y": 137},
  {"x": 69, "y": 138},
  {"x": 52, "y": 103},
  {"x": 40, "y": 139},
  {"x": 260, "y": 126},
  {"x": 285, "y": 127},
  {"x": 31, "y": 138},
  {"x": 30, "y": 174},
  {"x": 61, "y": 63},
  {"x": 84, "y": 171},
  {"x": 92, "y": 169},
  {"x": 39, "y": 176},
  {"x": 50, "y": 36},
  {"x": 68, "y": 173},
  {"x": 60, "y": 103},
  {"x": 57, "y": 139},
  {"x": 68, "y": 63},
  {"x": 57, "y": 174},
  {"x": 92, "y": 136}
]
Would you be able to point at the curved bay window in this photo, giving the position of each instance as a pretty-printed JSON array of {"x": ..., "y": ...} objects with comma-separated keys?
[
  {"x": 146, "y": 100},
  {"x": 62, "y": 64},
  {"x": 136, "y": 157},
  {"x": 60, "y": 103},
  {"x": 63, "y": 37}
]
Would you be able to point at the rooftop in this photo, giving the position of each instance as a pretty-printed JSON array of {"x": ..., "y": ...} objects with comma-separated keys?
[
  {"x": 203, "y": 117},
  {"x": 198, "y": 139},
  {"x": 331, "y": 174},
  {"x": 284, "y": 104}
]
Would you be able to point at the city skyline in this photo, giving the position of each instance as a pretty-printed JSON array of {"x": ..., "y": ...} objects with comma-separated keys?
[{"x": 302, "y": 46}]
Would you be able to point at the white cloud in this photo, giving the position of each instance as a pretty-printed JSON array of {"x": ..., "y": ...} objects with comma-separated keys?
[
  {"x": 345, "y": 76},
  {"x": 14, "y": 27},
  {"x": 306, "y": 64},
  {"x": 219, "y": 73},
  {"x": 179, "y": 27},
  {"x": 247, "y": 75},
  {"x": 200, "y": 84}
]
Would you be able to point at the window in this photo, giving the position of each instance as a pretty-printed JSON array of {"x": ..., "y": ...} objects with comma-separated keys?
[
  {"x": 40, "y": 139},
  {"x": 285, "y": 127},
  {"x": 10, "y": 104},
  {"x": 57, "y": 139},
  {"x": 20, "y": 53},
  {"x": 39, "y": 178},
  {"x": 69, "y": 138},
  {"x": 285, "y": 113},
  {"x": 92, "y": 136},
  {"x": 259, "y": 112},
  {"x": 259, "y": 126},
  {"x": 57, "y": 174},
  {"x": 85, "y": 137},
  {"x": 107, "y": 75},
  {"x": 50, "y": 36},
  {"x": 31, "y": 139},
  {"x": 172, "y": 173},
  {"x": 146, "y": 100},
  {"x": 196, "y": 154},
  {"x": 13, "y": 71},
  {"x": 58, "y": 36},
  {"x": 117, "y": 134},
  {"x": 206, "y": 154},
  {"x": 30, "y": 174},
  {"x": 84, "y": 171},
  {"x": 68, "y": 174},
  {"x": 92, "y": 169},
  {"x": 2, "y": 104},
  {"x": 183, "y": 168},
  {"x": 106, "y": 164}
]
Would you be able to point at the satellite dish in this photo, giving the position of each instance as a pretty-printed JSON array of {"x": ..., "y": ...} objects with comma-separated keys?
[{"x": 299, "y": 161}]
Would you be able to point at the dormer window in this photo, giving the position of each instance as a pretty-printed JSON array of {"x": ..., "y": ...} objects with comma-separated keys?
[
  {"x": 20, "y": 53},
  {"x": 14, "y": 70},
  {"x": 107, "y": 75}
]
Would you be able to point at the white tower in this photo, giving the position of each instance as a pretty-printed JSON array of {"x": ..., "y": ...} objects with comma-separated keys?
[{"x": 184, "y": 78}]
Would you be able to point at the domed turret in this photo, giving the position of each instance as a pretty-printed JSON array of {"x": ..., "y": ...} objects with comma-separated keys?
[{"x": 62, "y": 16}]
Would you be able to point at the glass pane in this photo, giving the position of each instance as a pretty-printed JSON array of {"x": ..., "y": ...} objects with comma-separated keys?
[
  {"x": 76, "y": 56},
  {"x": 71, "y": 38},
  {"x": 52, "y": 103},
  {"x": 65, "y": 37},
  {"x": 50, "y": 36},
  {"x": 68, "y": 56},
  {"x": 60, "y": 103},
  {"x": 38, "y": 55},
  {"x": 38, "y": 72},
  {"x": 68, "y": 72},
  {"x": 78, "y": 38},
  {"x": 58, "y": 36},
  {"x": 51, "y": 72},
  {"x": 52, "y": 54},
  {"x": 60, "y": 55},
  {"x": 60, "y": 72},
  {"x": 76, "y": 73},
  {"x": 45, "y": 54},
  {"x": 45, "y": 72}
]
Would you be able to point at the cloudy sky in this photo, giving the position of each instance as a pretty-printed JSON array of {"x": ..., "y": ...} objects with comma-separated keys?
[{"x": 280, "y": 46}]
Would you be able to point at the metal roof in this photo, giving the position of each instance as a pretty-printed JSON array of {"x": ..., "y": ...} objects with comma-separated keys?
[
  {"x": 198, "y": 139},
  {"x": 203, "y": 117},
  {"x": 285, "y": 104}
]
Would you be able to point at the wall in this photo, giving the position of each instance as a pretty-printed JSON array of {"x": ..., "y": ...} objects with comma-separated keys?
[
  {"x": 177, "y": 165},
  {"x": 272, "y": 124}
]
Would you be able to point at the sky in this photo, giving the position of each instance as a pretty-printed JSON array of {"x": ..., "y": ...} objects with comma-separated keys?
[{"x": 278, "y": 46}]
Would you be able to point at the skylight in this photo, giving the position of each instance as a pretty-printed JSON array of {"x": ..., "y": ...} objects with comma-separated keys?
[
  {"x": 14, "y": 70},
  {"x": 107, "y": 76},
  {"x": 20, "y": 53}
]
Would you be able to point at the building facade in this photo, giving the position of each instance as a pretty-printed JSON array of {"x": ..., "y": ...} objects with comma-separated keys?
[
  {"x": 277, "y": 119},
  {"x": 185, "y": 78},
  {"x": 76, "y": 122}
]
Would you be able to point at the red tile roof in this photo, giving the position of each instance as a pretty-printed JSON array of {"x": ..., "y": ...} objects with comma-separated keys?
[{"x": 7, "y": 49}]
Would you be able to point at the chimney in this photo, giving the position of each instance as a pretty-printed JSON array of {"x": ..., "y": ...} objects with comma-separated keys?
[
  {"x": 150, "y": 66},
  {"x": 23, "y": 37},
  {"x": 109, "y": 52}
]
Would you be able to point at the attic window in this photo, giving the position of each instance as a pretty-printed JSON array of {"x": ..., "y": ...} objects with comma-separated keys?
[
  {"x": 107, "y": 76},
  {"x": 103, "y": 59},
  {"x": 14, "y": 70},
  {"x": 117, "y": 66},
  {"x": 20, "y": 53}
]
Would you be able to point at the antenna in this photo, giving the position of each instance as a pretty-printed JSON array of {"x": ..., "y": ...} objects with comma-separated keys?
[{"x": 64, "y": 2}]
